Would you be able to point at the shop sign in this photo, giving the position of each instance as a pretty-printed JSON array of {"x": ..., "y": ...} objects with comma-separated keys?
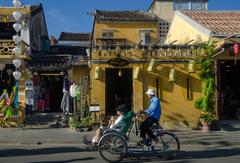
[
  {"x": 118, "y": 62},
  {"x": 94, "y": 108}
]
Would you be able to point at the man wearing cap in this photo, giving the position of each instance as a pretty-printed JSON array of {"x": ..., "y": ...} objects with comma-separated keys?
[{"x": 154, "y": 113}]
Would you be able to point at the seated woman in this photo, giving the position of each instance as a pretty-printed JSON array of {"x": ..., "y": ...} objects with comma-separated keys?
[{"x": 114, "y": 124}]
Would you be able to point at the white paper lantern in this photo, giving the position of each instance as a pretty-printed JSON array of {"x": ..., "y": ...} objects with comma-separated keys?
[
  {"x": 17, "y": 3},
  {"x": 97, "y": 73},
  {"x": 17, "y": 63},
  {"x": 136, "y": 73},
  {"x": 17, "y": 39},
  {"x": 191, "y": 66},
  {"x": 151, "y": 65},
  {"x": 17, "y": 15},
  {"x": 2, "y": 66},
  {"x": 17, "y": 50},
  {"x": 172, "y": 75},
  {"x": 17, "y": 75},
  {"x": 17, "y": 27}
]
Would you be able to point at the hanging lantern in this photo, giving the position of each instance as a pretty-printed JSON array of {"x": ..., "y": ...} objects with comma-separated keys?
[
  {"x": 191, "y": 66},
  {"x": 17, "y": 50},
  {"x": 236, "y": 51},
  {"x": 151, "y": 65},
  {"x": 17, "y": 75},
  {"x": 97, "y": 73},
  {"x": 89, "y": 63},
  {"x": 17, "y": 3},
  {"x": 17, "y": 15},
  {"x": 136, "y": 73},
  {"x": 120, "y": 73},
  {"x": 17, "y": 39},
  {"x": 17, "y": 63},
  {"x": 172, "y": 75},
  {"x": 236, "y": 48},
  {"x": 17, "y": 27}
]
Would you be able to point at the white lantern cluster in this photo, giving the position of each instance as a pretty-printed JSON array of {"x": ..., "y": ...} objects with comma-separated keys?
[{"x": 17, "y": 38}]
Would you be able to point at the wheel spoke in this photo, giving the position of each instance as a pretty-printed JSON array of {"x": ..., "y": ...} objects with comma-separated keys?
[{"x": 113, "y": 147}]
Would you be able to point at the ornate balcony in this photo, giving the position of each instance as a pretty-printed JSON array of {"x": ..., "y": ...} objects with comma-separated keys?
[
  {"x": 6, "y": 49},
  {"x": 143, "y": 53}
]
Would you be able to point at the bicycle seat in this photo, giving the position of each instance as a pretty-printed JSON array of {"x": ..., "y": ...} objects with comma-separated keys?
[{"x": 156, "y": 123}]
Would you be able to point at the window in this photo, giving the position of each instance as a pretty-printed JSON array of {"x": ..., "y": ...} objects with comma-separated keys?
[
  {"x": 198, "y": 5},
  {"x": 181, "y": 4},
  {"x": 107, "y": 35},
  {"x": 145, "y": 36},
  {"x": 190, "y": 4},
  {"x": 163, "y": 30}
]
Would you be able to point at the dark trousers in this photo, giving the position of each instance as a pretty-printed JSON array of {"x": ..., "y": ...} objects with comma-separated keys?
[{"x": 145, "y": 127}]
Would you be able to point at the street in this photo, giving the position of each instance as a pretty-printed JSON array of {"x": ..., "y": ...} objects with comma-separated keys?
[{"x": 79, "y": 153}]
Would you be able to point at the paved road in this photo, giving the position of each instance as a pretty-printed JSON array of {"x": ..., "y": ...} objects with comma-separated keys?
[{"x": 79, "y": 153}]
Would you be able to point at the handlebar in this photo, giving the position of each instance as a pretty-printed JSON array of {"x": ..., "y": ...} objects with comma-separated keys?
[{"x": 138, "y": 113}]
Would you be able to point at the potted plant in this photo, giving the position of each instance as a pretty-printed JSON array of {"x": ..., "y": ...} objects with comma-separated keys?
[
  {"x": 206, "y": 102},
  {"x": 84, "y": 125}
]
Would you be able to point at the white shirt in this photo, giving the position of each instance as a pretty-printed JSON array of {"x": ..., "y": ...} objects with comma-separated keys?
[
  {"x": 118, "y": 123},
  {"x": 73, "y": 90}
]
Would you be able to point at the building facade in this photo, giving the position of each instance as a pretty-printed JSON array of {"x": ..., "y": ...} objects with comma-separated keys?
[
  {"x": 33, "y": 37},
  {"x": 164, "y": 10},
  {"x": 221, "y": 27},
  {"x": 126, "y": 60}
]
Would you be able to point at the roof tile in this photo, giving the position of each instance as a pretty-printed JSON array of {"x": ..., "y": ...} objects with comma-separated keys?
[
  {"x": 67, "y": 36},
  {"x": 219, "y": 22},
  {"x": 129, "y": 16}
]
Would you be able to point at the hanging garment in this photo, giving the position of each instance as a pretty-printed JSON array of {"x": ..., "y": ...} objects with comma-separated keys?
[
  {"x": 73, "y": 90},
  {"x": 65, "y": 102}
]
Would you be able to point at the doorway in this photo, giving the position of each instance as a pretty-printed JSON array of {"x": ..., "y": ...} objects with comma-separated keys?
[
  {"x": 229, "y": 90},
  {"x": 118, "y": 89},
  {"x": 51, "y": 92}
]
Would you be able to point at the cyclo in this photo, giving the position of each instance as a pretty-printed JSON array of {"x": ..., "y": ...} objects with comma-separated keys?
[{"x": 115, "y": 146}]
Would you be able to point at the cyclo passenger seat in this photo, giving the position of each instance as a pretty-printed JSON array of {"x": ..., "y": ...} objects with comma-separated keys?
[
  {"x": 128, "y": 121},
  {"x": 127, "y": 118}
]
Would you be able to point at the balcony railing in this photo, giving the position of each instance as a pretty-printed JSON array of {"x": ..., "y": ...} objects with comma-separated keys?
[{"x": 6, "y": 48}]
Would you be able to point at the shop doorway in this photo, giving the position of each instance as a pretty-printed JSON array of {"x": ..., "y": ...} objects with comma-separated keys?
[
  {"x": 229, "y": 90},
  {"x": 51, "y": 93},
  {"x": 118, "y": 89}
]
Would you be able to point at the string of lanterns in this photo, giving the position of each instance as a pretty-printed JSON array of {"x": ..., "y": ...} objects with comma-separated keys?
[{"x": 17, "y": 39}]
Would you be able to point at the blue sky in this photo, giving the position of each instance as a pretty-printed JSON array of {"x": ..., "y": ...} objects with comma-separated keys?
[{"x": 72, "y": 15}]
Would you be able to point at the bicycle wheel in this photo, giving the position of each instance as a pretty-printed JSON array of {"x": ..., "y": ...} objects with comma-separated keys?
[
  {"x": 168, "y": 145},
  {"x": 113, "y": 147}
]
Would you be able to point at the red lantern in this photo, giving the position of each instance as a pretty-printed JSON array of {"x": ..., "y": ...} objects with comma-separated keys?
[
  {"x": 236, "y": 48},
  {"x": 236, "y": 51}
]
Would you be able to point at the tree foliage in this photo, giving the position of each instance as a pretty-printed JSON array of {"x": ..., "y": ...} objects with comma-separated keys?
[{"x": 206, "y": 102}]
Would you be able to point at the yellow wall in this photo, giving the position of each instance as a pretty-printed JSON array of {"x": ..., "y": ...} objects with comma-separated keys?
[
  {"x": 176, "y": 108},
  {"x": 183, "y": 31},
  {"x": 10, "y": 10},
  {"x": 130, "y": 31}
]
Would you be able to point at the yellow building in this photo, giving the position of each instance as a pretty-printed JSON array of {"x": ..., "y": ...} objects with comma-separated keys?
[
  {"x": 33, "y": 37},
  {"x": 126, "y": 60},
  {"x": 196, "y": 27}
]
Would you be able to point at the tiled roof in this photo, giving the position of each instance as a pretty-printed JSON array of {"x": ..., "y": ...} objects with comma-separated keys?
[
  {"x": 129, "y": 16},
  {"x": 67, "y": 36},
  {"x": 219, "y": 22},
  {"x": 49, "y": 63},
  {"x": 74, "y": 50}
]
